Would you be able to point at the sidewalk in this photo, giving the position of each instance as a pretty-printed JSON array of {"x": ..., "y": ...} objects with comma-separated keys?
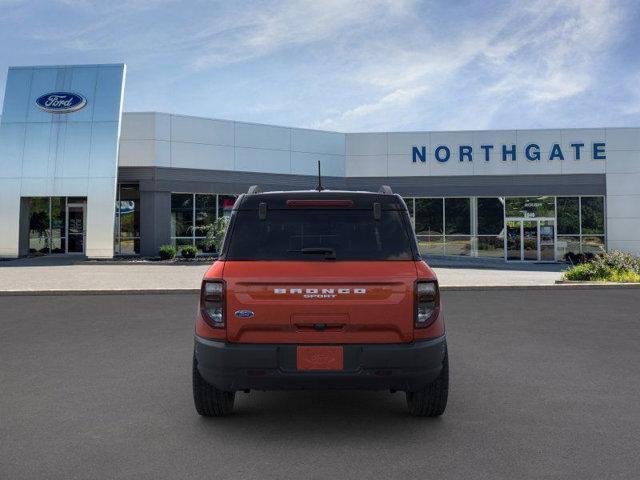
[{"x": 69, "y": 274}]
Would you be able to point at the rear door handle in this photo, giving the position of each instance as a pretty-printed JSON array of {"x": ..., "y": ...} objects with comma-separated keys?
[{"x": 320, "y": 327}]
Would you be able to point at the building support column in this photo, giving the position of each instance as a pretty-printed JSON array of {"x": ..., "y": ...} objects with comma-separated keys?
[
  {"x": 155, "y": 221},
  {"x": 25, "y": 218}
]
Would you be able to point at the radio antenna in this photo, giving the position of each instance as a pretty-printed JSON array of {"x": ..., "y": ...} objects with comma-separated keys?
[{"x": 319, "y": 187}]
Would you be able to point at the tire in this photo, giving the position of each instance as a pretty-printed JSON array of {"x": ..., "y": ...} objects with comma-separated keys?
[
  {"x": 209, "y": 401},
  {"x": 431, "y": 401}
]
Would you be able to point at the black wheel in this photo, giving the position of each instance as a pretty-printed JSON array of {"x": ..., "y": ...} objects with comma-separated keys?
[
  {"x": 431, "y": 401},
  {"x": 209, "y": 401}
]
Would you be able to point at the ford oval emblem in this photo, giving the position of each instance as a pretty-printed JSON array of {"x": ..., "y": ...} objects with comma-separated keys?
[
  {"x": 61, "y": 102},
  {"x": 244, "y": 313}
]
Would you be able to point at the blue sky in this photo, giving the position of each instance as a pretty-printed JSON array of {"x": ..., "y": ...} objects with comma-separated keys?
[{"x": 372, "y": 65}]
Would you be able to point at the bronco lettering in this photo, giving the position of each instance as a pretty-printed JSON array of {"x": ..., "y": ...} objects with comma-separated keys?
[{"x": 314, "y": 291}]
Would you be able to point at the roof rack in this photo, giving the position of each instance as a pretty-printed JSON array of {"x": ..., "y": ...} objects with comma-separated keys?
[
  {"x": 385, "y": 190},
  {"x": 253, "y": 189}
]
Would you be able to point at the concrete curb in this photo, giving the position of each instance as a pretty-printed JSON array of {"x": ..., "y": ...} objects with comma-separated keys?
[
  {"x": 551, "y": 286},
  {"x": 580, "y": 282},
  {"x": 191, "y": 291}
]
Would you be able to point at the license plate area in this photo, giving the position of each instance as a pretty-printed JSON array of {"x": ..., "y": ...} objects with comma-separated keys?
[{"x": 320, "y": 358}]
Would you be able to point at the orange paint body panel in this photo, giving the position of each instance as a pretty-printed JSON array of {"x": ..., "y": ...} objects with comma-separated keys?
[{"x": 320, "y": 302}]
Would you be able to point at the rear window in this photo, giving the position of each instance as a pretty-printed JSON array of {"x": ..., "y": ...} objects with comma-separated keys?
[{"x": 318, "y": 235}]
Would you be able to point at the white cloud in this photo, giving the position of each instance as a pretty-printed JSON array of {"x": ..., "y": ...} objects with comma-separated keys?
[
  {"x": 398, "y": 98},
  {"x": 537, "y": 54},
  {"x": 286, "y": 24},
  {"x": 349, "y": 64},
  {"x": 551, "y": 56}
]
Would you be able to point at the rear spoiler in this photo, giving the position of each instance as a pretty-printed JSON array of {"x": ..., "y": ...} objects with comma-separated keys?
[{"x": 384, "y": 189}]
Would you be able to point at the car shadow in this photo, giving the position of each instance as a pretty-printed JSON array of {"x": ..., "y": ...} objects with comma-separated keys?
[{"x": 310, "y": 416}]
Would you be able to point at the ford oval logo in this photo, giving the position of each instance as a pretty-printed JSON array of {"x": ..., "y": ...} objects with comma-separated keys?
[
  {"x": 244, "y": 313},
  {"x": 61, "y": 102}
]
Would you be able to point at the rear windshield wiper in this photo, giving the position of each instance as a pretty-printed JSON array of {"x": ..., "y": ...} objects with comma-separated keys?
[{"x": 329, "y": 253}]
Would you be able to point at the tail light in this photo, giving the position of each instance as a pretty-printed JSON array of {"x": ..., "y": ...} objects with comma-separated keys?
[
  {"x": 212, "y": 302},
  {"x": 427, "y": 303}
]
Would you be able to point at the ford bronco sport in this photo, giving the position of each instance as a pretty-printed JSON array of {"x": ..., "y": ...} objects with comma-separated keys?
[{"x": 320, "y": 289}]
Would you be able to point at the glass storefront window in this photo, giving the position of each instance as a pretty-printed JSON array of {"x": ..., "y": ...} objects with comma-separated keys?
[
  {"x": 58, "y": 216},
  {"x": 127, "y": 225},
  {"x": 568, "y": 216},
  {"x": 58, "y": 244},
  {"x": 129, "y": 211},
  {"x": 409, "y": 202},
  {"x": 443, "y": 226},
  {"x": 567, "y": 244},
  {"x": 48, "y": 224},
  {"x": 182, "y": 242},
  {"x": 39, "y": 225},
  {"x": 457, "y": 245},
  {"x": 429, "y": 216},
  {"x": 592, "y": 214},
  {"x": 430, "y": 244},
  {"x": 457, "y": 214},
  {"x": 205, "y": 210},
  {"x": 593, "y": 244},
  {"x": 181, "y": 214},
  {"x": 476, "y": 226},
  {"x": 190, "y": 211},
  {"x": 490, "y": 246},
  {"x": 490, "y": 216},
  {"x": 225, "y": 205},
  {"x": 129, "y": 246},
  {"x": 202, "y": 246},
  {"x": 530, "y": 207}
]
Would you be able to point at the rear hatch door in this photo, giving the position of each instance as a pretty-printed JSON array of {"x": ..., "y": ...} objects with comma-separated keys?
[{"x": 320, "y": 302}]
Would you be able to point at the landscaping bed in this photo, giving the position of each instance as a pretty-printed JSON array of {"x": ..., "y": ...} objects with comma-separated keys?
[
  {"x": 199, "y": 259},
  {"x": 614, "y": 267}
]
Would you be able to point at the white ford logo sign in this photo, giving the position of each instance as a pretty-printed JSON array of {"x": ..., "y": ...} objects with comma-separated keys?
[{"x": 61, "y": 102}]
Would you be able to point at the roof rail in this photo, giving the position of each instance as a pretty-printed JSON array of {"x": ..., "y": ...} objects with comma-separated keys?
[
  {"x": 386, "y": 190},
  {"x": 254, "y": 189}
]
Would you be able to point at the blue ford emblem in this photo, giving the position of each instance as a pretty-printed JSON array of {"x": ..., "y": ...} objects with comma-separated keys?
[
  {"x": 61, "y": 102},
  {"x": 244, "y": 313}
]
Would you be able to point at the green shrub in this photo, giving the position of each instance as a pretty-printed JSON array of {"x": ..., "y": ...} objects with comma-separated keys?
[
  {"x": 582, "y": 271},
  {"x": 624, "y": 277},
  {"x": 607, "y": 267},
  {"x": 167, "y": 252},
  {"x": 189, "y": 251},
  {"x": 214, "y": 233},
  {"x": 621, "y": 261}
]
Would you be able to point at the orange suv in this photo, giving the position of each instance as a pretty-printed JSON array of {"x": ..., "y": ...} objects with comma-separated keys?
[{"x": 320, "y": 290}]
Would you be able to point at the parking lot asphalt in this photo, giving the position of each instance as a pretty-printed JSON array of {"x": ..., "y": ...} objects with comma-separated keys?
[{"x": 544, "y": 384}]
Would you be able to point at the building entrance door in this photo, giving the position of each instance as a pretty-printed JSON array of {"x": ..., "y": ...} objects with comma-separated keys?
[
  {"x": 76, "y": 220},
  {"x": 532, "y": 240}
]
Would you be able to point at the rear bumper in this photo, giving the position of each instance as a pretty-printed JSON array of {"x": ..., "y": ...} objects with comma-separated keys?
[{"x": 232, "y": 367}]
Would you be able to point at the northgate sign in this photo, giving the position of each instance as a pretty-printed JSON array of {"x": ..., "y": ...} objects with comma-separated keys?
[{"x": 531, "y": 152}]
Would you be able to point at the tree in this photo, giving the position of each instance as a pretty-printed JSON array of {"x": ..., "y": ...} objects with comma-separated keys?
[{"x": 214, "y": 233}]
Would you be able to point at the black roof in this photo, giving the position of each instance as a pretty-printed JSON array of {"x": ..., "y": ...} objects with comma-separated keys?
[{"x": 361, "y": 200}]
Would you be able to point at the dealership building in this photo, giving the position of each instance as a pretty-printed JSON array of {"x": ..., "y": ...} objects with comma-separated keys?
[{"x": 79, "y": 176}]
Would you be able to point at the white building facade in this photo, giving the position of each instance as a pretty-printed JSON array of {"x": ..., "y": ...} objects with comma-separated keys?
[{"x": 517, "y": 195}]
